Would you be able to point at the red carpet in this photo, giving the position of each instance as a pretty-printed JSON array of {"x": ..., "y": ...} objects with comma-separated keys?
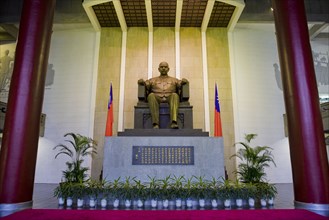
[{"x": 273, "y": 214}]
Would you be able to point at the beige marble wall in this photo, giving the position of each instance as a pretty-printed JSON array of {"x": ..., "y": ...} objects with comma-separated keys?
[
  {"x": 219, "y": 71},
  {"x": 164, "y": 50},
  {"x": 191, "y": 69},
  {"x": 136, "y": 68},
  {"x": 108, "y": 71}
]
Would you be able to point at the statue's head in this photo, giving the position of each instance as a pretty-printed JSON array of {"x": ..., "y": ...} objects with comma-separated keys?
[{"x": 163, "y": 68}]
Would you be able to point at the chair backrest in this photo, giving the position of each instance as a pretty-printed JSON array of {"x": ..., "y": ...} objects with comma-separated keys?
[{"x": 184, "y": 94}]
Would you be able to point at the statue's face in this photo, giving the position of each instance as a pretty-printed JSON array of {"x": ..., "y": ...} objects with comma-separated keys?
[{"x": 163, "y": 68}]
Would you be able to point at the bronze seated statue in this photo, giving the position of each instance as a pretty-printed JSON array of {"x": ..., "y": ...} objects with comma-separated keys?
[{"x": 143, "y": 119}]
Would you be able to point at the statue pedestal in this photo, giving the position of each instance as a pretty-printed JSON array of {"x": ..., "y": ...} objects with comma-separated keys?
[{"x": 159, "y": 156}]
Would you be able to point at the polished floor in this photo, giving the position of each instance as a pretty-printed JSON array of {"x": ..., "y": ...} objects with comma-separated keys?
[{"x": 43, "y": 197}]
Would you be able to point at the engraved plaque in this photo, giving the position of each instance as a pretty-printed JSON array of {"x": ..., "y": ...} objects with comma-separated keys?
[{"x": 163, "y": 155}]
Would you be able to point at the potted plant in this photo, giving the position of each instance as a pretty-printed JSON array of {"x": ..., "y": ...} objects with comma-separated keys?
[
  {"x": 189, "y": 192},
  {"x": 64, "y": 191},
  {"x": 165, "y": 192},
  {"x": 202, "y": 190},
  {"x": 264, "y": 192},
  {"x": 80, "y": 147},
  {"x": 251, "y": 191},
  {"x": 213, "y": 186},
  {"x": 127, "y": 191},
  {"x": 153, "y": 191},
  {"x": 93, "y": 190},
  {"x": 115, "y": 191},
  {"x": 177, "y": 187},
  {"x": 80, "y": 191},
  {"x": 61, "y": 192},
  {"x": 139, "y": 192},
  {"x": 240, "y": 193},
  {"x": 226, "y": 191},
  {"x": 251, "y": 169},
  {"x": 103, "y": 192}
]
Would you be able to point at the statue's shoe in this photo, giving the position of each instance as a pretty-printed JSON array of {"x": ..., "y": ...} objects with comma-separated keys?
[{"x": 174, "y": 125}]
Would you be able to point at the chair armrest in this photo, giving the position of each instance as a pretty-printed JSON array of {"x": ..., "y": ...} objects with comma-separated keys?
[
  {"x": 141, "y": 93},
  {"x": 185, "y": 92}
]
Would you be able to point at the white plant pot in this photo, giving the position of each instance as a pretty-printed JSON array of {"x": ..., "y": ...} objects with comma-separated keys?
[
  {"x": 251, "y": 202},
  {"x": 227, "y": 203},
  {"x": 140, "y": 203},
  {"x": 178, "y": 203},
  {"x": 263, "y": 202},
  {"x": 127, "y": 203},
  {"x": 92, "y": 202},
  {"x": 189, "y": 203},
  {"x": 165, "y": 203},
  {"x": 238, "y": 203},
  {"x": 69, "y": 202},
  {"x": 154, "y": 203},
  {"x": 116, "y": 203},
  {"x": 103, "y": 203},
  {"x": 61, "y": 201},
  {"x": 214, "y": 203},
  {"x": 270, "y": 201},
  {"x": 202, "y": 203},
  {"x": 80, "y": 203}
]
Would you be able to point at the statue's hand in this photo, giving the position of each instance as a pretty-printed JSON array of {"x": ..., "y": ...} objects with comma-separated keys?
[
  {"x": 184, "y": 81},
  {"x": 141, "y": 82}
]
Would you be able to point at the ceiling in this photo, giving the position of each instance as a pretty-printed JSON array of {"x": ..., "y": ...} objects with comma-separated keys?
[{"x": 160, "y": 13}]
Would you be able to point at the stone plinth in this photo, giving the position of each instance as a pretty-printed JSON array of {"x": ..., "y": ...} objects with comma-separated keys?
[{"x": 118, "y": 156}]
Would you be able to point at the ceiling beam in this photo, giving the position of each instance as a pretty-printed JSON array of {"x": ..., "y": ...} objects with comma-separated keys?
[
  {"x": 179, "y": 7},
  {"x": 316, "y": 29},
  {"x": 239, "y": 6},
  {"x": 10, "y": 29},
  {"x": 6, "y": 38},
  {"x": 88, "y": 6},
  {"x": 149, "y": 15},
  {"x": 207, "y": 13},
  {"x": 121, "y": 16}
]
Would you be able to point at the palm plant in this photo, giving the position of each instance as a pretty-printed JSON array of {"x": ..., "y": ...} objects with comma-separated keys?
[
  {"x": 253, "y": 161},
  {"x": 82, "y": 147}
]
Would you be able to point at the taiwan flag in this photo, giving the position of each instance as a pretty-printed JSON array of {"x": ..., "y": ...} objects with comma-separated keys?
[
  {"x": 109, "y": 121},
  {"x": 218, "y": 123}
]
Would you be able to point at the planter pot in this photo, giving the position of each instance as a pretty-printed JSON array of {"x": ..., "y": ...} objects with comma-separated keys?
[
  {"x": 227, "y": 203},
  {"x": 92, "y": 202},
  {"x": 270, "y": 201},
  {"x": 103, "y": 203},
  {"x": 80, "y": 203},
  {"x": 238, "y": 203},
  {"x": 127, "y": 203},
  {"x": 165, "y": 203},
  {"x": 154, "y": 203},
  {"x": 214, "y": 203},
  {"x": 251, "y": 202},
  {"x": 263, "y": 202},
  {"x": 178, "y": 203},
  {"x": 140, "y": 203},
  {"x": 116, "y": 203},
  {"x": 61, "y": 201},
  {"x": 189, "y": 203},
  {"x": 202, "y": 203},
  {"x": 69, "y": 202}
]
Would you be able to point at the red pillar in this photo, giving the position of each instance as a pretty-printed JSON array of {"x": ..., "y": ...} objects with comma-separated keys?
[
  {"x": 21, "y": 129},
  {"x": 306, "y": 137}
]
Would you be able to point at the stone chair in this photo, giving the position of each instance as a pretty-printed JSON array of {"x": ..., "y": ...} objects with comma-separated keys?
[{"x": 142, "y": 114}]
